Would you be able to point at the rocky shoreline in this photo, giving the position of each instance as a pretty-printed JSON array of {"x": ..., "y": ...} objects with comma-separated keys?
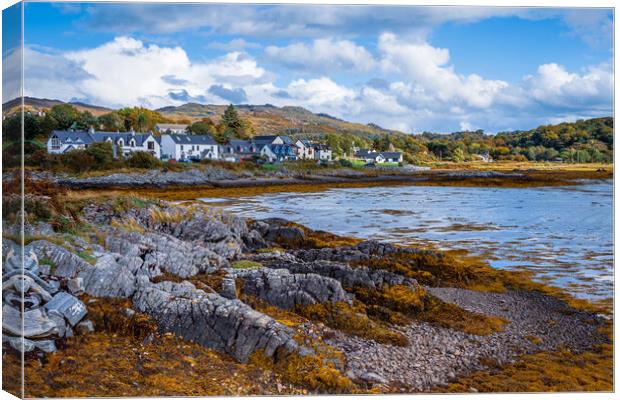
[
  {"x": 217, "y": 177},
  {"x": 198, "y": 273}
]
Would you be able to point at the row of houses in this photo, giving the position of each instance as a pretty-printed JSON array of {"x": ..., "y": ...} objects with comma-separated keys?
[{"x": 184, "y": 147}]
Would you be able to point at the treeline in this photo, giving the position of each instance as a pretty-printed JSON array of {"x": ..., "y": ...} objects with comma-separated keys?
[{"x": 582, "y": 141}]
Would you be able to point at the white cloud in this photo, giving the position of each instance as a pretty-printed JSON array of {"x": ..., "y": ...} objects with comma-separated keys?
[
  {"x": 427, "y": 67},
  {"x": 324, "y": 54},
  {"x": 415, "y": 88},
  {"x": 555, "y": 86},
  {"x": 126, "y": 71}
]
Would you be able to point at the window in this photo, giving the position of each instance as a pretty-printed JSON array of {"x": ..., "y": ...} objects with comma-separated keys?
[
  {"x": 150, "y": 145},
  {"x": 55, "y": 143},
  {"x": 181, "y": 147},
  {"x": 120, "y": 142},
  {"x": 132, "y": 143}
]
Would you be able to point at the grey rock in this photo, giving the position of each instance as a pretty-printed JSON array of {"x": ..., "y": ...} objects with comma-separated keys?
[
  {"x": 108, "y": 278},
  {"x": 48, "y": 346},
  {"x": 70, "y": 307},
  {"x": 85, "y": 327},
  {"x": 283, "y": 289},
  {"x": 152, "y": 253},
  {"x": 212, "y": 320},
  {"x": 229, "y": 287},
  {"x": 348, "y": 276},
  {"x": 373, "y": 378},
  {"x": 76, "y": 285}
]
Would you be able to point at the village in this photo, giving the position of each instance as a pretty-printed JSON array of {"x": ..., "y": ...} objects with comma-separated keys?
[{"x": 174, "y": 143}]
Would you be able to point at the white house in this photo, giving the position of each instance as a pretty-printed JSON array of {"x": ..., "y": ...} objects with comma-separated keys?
[
  {"x": 379, "y": 157},
  {"x": 185, "y": 147},
  {"x": 123, "y": 143},
  {"x": 172, "y": 129},
  {"x": 322, "y": 152},
  {"x": 305, "y": 149}
]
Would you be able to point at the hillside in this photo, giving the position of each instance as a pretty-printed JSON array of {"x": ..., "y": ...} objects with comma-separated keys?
[
  {"x": 271, "y": 119},
  {"x": 34, "y": 104}
]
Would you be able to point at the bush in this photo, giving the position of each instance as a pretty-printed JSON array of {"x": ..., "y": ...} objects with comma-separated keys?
[
  {"x": 102, "y": 153},
  {"x": 345, "y": 163},
  {"x": 142, "y": 159}
]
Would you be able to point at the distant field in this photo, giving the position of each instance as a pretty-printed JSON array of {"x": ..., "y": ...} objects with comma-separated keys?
[{"x": 512, "y": 165}]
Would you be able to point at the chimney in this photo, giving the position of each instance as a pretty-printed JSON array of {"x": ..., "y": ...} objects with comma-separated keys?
[{"x": 91, "y": 129}]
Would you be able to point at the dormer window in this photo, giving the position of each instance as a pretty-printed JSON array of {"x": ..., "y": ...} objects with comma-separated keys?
[
  {"x": 132, "y": 143},
  {"x": 55, "y": 142},
  {"x": 120, "y": 142}
]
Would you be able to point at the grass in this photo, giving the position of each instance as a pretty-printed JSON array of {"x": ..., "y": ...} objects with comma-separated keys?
[{"x": 246, "y": 264}]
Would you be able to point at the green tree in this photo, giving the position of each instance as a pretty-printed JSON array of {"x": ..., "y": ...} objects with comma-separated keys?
[
  {"x": 203, "y": 127},
  {"x": 101, "y": 153},
  {"x": 65, "y": 115},
  {"x": 110, "y": 122},
  {"x": 231, "y": 123}
]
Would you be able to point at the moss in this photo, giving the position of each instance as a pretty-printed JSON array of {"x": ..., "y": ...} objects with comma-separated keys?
[
  {"x": 87, "y": 256},
  {"x": 246, "y": 264},
  {"x": 50, "y": 262},
  {"x": 352, "y": 320}
]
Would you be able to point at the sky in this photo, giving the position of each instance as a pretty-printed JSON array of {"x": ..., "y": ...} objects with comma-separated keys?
[{"x": 409, "y": 68}]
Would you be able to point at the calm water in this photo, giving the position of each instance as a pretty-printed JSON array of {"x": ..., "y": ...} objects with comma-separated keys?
[{"x": 563, "y": 234}]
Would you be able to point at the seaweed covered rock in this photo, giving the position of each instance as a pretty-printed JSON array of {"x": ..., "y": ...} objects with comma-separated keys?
[
  {"x": 286, "y": 290},
  {"x": 212, "y": 320},
  {"x": 157, "y": 252}
]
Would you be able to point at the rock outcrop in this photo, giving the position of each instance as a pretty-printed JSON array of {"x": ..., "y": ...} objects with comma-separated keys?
[
  {"x": 286, "y": 290},
  {"x": 348, "y": 276},
  {"x": 159, "y": 252},
  {"x": 212, "y": 320}
]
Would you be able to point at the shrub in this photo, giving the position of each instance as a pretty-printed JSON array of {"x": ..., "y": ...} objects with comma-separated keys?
[
  {"x": 345, "y": 163},
  {"x": 102, "y": 153},
  {"x": 142, "y": 159}
]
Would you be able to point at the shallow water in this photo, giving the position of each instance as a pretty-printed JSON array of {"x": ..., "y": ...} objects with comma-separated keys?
[{"x": 563, "y": 234}]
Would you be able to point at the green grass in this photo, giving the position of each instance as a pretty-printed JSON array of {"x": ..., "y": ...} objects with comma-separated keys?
[{"x": 246, "y": 264}]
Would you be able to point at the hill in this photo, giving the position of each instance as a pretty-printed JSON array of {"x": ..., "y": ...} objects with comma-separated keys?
[
  {"x": 269, "y": 119},
  {"x": 34, "y": 104}
]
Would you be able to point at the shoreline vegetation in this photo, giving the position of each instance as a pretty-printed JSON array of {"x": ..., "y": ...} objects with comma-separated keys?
[{"x": 463, "y": 325}]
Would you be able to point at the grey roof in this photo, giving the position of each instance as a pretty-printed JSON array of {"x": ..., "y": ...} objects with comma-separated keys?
[
  {"x": 85, "y": 137},
  {"x": 270, "y": 138},
  {"x": 73, "y": 137},
  {"x": 390, "y": 154},
  {"x": 192, "y": 139},
  {"x": 366, "y": 153},
  {"x": 163, "y": 127},
  {"x": 140, "y": 138},
  {"x": 321, "y": 146}
]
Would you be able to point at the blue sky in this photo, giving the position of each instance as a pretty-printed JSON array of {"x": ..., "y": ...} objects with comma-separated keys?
[{"x": 407, "y": 68}]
